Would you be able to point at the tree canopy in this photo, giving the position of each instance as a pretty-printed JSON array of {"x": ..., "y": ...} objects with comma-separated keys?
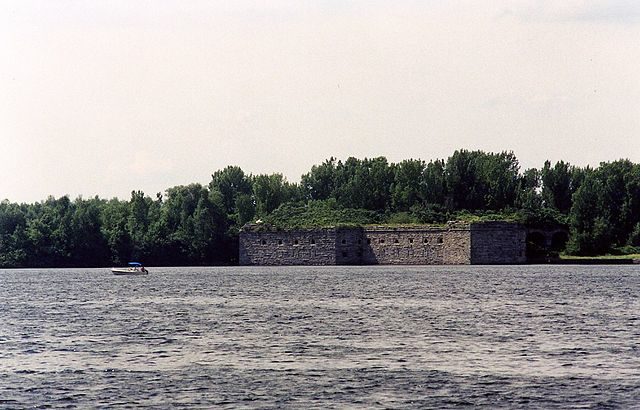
[{"x": 198, "y": 225}]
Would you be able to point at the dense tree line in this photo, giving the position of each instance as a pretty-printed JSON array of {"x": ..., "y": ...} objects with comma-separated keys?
[{"x": 198, "y": 225}]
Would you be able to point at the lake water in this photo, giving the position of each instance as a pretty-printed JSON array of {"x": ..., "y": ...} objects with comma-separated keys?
[{"x": 322, "y": 337}]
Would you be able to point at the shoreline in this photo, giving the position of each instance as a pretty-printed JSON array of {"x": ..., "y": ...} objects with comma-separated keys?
[{"x": 587, "y": 261}]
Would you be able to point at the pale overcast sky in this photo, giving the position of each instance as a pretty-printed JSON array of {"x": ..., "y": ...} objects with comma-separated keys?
[{"x": 103, "y": 97}]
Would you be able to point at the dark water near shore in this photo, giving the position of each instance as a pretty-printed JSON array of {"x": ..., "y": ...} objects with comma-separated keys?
[{"x": 300, "y": 337}]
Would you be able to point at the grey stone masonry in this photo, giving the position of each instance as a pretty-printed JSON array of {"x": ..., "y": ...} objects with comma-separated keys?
[
  {"x": 498, "y": 243},
  {"x": 296, "y": 247},
  {"x": 453, "y": 244},
  {"x": 422, "y": 245}
]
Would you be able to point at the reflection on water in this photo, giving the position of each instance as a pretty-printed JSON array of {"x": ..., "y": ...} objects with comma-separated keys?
[{"x": 525, "y": 336}]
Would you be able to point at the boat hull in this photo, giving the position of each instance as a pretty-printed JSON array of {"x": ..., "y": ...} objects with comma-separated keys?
[{"x": 125, "y": 271}]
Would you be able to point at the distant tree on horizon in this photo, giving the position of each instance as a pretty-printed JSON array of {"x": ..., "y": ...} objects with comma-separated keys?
[{"x": 194, "y": 224}]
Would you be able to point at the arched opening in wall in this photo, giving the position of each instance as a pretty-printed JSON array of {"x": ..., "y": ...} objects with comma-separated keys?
[
  {"x": 559, "y": 241},
  {"x": 536, "y": 245}
]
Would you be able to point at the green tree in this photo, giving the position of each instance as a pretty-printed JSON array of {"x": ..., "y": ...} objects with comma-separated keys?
[
  {"x": 528, "y": 186},
  {"x": 138, "y": 224},
  {"x": 270, "y": 191},
  {"x": 589, "y": 222},
  {"x": 479, "y": 181},
  {"x": 180, "y": 206},
  {"x": 49, "y": 233},
  {"x": 408, "y": 186},
  {"x": 500, "y": 176},
  {"x": 364, "y": 184},
  {"x": 463, "y": 182},
  {"x": 320, "y": 182},
  {"x": 196, "y": 222},
  {"x": 434, "y": 182},
  {"x": 231, "y": 183},
  {"x": 13, "y": 246},
  {"x": 556, "y": 186},
  {"x": 246, "y": 209},
  {"x": 157, "y": 235},
  {"x": 618, "y": 184},
  {"x": 115, "y": 216},
  {"x": 88, "y": 245},
  {"x": 632, "y": 206}
]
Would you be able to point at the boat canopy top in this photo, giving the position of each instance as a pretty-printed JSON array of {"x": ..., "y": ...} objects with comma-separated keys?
[{"x": 135, "y": 264}]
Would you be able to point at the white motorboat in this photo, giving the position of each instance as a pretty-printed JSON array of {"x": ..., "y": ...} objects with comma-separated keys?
[{"x": 134, "y": 268}]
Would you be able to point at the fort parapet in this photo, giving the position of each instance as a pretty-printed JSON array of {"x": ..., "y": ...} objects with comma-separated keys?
[{"x": 453, "y": 244}]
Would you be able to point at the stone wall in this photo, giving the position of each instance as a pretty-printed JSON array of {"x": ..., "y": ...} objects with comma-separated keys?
[
  {"x": 455, "y": 244},
  {"x": 498, "y": 243},
  {"x": 298, "y": 247},
  {"x": 407, "y": 246}
]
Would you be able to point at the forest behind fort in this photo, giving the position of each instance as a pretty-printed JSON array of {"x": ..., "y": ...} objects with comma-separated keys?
[{"x": 198, "y": 225}]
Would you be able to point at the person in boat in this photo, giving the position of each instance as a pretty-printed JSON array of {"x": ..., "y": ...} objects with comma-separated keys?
[{"x": 137, "y": 267}]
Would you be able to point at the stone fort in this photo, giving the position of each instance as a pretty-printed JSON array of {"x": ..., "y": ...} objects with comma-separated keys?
[{"x": 453, "y": 244}]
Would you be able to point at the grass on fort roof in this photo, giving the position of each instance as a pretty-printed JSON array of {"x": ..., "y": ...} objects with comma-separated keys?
[{"x": 325, "y": 214}]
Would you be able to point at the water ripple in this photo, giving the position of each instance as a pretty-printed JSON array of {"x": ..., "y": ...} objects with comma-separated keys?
[{"x": 322, "y": 337}]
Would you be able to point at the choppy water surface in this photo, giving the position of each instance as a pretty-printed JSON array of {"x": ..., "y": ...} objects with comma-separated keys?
[{"x": 301, "y": 337}]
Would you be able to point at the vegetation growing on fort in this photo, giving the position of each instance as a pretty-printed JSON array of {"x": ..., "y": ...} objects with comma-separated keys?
[{"x": 197, "y": 224}]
